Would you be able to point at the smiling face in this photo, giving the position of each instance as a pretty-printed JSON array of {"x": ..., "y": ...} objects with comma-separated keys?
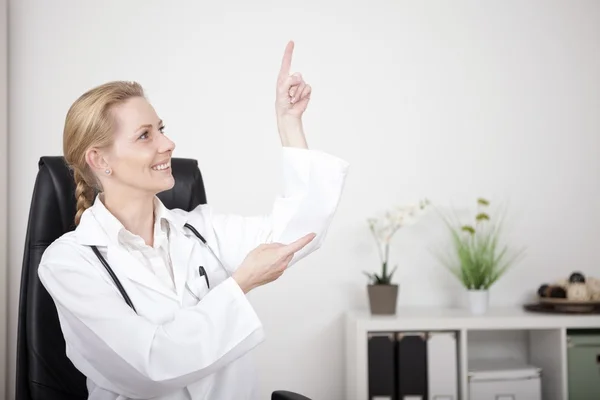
[{"x": 139, "y": 159}]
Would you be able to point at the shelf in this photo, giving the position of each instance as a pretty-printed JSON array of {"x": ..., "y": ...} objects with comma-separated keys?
[
  {"x": 494, "y": 344},
  {"x": 532, "y": 338},
  {"x": 540, "y": 348},
  {"x": 431, "y": 318}
]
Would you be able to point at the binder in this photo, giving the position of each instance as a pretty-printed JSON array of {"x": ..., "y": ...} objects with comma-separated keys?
[
  {"x": 381, "y": 366},
  {"x": 412, "y": 366},
  {"x": 442, "y": 366}
]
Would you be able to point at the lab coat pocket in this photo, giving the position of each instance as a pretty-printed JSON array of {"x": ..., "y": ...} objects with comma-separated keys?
[{"x": 196, "y": 287}]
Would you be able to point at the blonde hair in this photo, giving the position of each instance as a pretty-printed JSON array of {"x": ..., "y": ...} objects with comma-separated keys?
[{"x": 89, "y": 123}]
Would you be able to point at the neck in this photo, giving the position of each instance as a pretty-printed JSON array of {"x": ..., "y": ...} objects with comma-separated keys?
[{"x": 134, "y": 211}]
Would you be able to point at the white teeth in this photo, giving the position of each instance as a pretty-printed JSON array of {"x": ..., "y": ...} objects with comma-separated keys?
[{"x": 161, "y": 166}]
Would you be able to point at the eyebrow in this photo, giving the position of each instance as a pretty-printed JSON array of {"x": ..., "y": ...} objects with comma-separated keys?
[{"x": 148, "y": 126}]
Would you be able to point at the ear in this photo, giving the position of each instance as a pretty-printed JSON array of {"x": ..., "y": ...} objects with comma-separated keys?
[{"x": 95, "y": 160}]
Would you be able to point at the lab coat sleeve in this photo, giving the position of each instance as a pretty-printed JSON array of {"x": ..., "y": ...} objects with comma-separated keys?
[
  {"x": 126, "y": 353},
  {"x": 312, "y": 186}
]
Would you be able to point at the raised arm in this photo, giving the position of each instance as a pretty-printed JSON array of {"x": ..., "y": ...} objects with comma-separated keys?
[
  {"x": 291, "y": 100},
  {"x": 312, "y": 185}
]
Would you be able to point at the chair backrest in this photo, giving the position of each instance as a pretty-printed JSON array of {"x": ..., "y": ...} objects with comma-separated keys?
[{"x": 43, "y": 370}]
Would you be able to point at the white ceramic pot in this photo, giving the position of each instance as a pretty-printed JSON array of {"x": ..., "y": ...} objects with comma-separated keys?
[{"x": 478, "y": 301}]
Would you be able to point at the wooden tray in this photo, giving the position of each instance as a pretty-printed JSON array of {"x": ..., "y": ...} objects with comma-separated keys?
[
  {"x": 551, "y": 309},
  {"x": 550, "y": 300},
  {"x": 547, "y": 304}
]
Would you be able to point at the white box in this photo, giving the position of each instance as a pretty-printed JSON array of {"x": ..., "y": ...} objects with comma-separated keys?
[{"x": 504, "y": 380}]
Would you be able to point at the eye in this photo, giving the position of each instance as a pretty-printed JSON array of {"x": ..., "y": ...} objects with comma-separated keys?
[
  {"x": 162, "y": 129},
  {"x": 144, "y": 135}
]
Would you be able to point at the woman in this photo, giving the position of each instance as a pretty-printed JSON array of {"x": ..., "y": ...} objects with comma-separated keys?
[{"x": 187, "y": 329}]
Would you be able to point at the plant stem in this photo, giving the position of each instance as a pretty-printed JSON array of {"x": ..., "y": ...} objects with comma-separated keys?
[
  {"x": 385, "y": 261},
  {"x": 387, "y": 252},
  {"x": 378, "y": 246}
]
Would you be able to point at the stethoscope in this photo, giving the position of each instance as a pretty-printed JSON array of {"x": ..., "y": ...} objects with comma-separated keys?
[{"x": 201, "y": 269}]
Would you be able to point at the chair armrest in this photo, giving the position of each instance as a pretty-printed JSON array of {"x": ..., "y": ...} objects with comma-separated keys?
[{"x": 285, "y": 395}]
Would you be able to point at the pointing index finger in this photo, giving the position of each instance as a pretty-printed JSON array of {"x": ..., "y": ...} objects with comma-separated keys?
[
  {"x": 298, "y": 244},
  {"x": 286, "y": 62}
]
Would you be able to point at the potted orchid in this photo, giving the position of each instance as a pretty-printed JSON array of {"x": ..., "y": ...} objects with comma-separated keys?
[{"x": 383, "y": 294}]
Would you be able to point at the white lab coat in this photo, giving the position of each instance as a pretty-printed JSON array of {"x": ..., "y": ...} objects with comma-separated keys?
[{"x": 177, "y": 347}]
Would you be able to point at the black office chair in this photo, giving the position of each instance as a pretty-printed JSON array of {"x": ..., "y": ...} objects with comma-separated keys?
[{"x": 43, "y": 370}]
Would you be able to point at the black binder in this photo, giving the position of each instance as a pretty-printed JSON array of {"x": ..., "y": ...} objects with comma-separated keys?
[
  {"x": 412, "y": 366},
  {"x": 381, "y": 364}
]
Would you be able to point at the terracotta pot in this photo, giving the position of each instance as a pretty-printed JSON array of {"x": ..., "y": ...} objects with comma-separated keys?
[{"x": 383, "y": 299}]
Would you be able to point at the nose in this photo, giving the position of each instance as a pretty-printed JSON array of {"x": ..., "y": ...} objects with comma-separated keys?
[{"x": 166, "y": 144}]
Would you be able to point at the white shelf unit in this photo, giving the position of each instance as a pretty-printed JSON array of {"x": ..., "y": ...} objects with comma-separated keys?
[{"x": 539, "y": 339}]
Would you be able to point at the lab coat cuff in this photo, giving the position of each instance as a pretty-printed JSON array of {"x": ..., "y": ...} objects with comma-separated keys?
[
  {"x": 298, "y": 164},
  {"x": 298, "y": 155},
  {"x": 232, "y": 286}
]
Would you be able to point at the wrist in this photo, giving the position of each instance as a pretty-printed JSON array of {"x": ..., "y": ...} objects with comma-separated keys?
[
  {"x": 291, "y": 132},
  {"x": 242, "y": 282}
]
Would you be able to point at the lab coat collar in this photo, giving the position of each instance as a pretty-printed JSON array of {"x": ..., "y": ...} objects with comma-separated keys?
[{"x": 96, "y": 226}]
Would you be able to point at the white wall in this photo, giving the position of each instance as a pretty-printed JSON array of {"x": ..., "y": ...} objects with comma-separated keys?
[
  {"x": 3, "y": 187},
  {"x": 449, "y": 100}
]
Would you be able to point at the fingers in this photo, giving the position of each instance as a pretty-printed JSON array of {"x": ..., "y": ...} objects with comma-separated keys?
[
  {"x": 297, "y": 92},
  {"x": 291, "y": 88},
  {"x": 293, "y": 247},
  {"x": 286, "y": 62},
  {"x": 305, "y": 93},
  {"x": 291, "y": 82},
  {"x": 295, "y": 89}
]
